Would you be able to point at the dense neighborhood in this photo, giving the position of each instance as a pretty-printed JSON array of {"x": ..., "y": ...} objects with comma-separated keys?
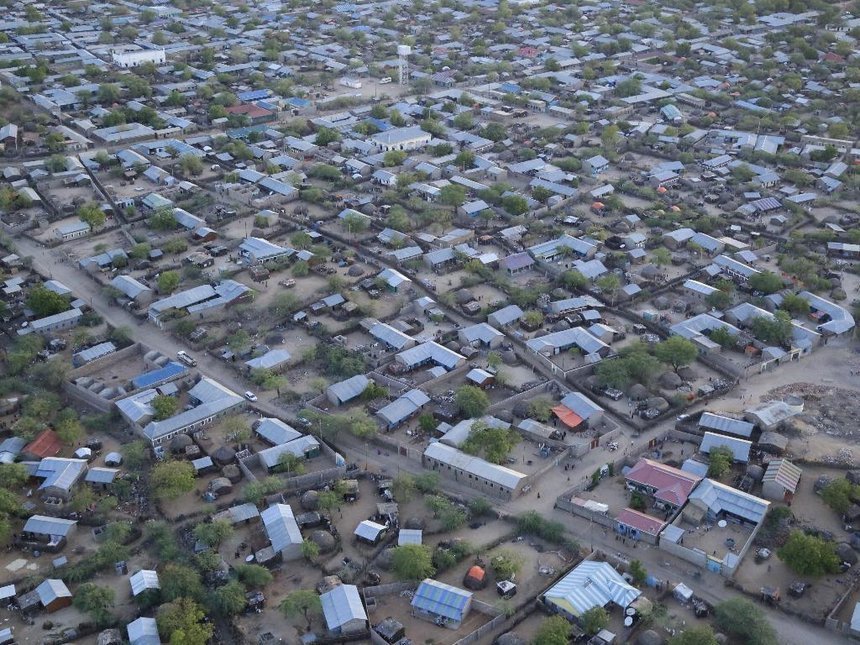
[{"x": 423, "y": 321}]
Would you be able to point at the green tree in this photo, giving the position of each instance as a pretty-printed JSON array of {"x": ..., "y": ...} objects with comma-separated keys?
[
  {"x": 253, "y": 575},
  {"x": 743, "y": 621},
  {"x": 164, "y": 406},
  {"x": 44, "y": 302},
  {"x": 506, "y": 564},
  {"x": 300, "y": 269},
  {"x": 809, "y": 555},
  {"x": 718, "y": 300},
  {"x": 228, "y": 600},
  {"x": 840, "y": 494},
  {"x": 171, "y": 479},
  {"x": 168, "y": 281},
  {"x": 109, "y": 93},
  {"x": 720, "y": 461},
  {"x": 412, "y": 562},
  {"x": 554, "y": 630},
  {"x": 326, "y": 136},
  {"x": 213, "y": 533},
  {"x": 394, "y": 158},
  {"x": 515, "y": 204},
  {"x": 452, "y": 195},
  {"x": 163, "y": 220},
  {"x": 699, "y": 635},
  {"x": 794, "y": 304},
  {"x": 638, "y": 572},
  {"x": 766, "y": 282},
  {"x": 95, "y": 601},
  {"x": 180, "y": 581},
  {"x": 776, "y": 330},
  {"x": 92, "y": 214},
  {"x": 302, "y": 603},
  {"x": 134, "y": 455},
  {"x": 191, "y": 164},
  {"x": 676, "y": 351},
  {"x": 181, "y": 623},
  {"x": 290, "y": 464},
  {"x": 13, "y": 476},
  {"x": 628, "y": 87},
  {"x": 594, "y": 620},
  {"x": 310, "y": 550},
  {"x": 472, "y": 401}
]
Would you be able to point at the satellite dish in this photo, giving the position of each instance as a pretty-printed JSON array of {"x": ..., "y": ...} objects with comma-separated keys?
[
  {"x": 628, "y": 621},
  {"x": 722, "y": 524}
]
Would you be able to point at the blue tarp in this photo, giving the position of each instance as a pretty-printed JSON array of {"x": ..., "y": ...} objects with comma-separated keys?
[{"x": 149, "y": 379}]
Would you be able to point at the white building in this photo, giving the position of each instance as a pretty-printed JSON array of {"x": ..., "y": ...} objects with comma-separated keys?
[{"x": 136, "y": 58}]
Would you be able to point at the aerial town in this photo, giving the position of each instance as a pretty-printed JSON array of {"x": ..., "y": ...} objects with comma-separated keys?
[{"x": 430, "y": 322}]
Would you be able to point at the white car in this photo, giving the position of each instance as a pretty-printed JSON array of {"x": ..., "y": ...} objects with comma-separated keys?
[{"x": 250, "y": 396}]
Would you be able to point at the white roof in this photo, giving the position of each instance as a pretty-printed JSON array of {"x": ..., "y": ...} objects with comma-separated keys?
[
  {"x": 44, "y": 525},
  {"x": 410, "y": 536},
  {"x": 368, "y": 530},
  {"x": 143, "y": 631},
  {"x": 719, "y": 498},
  {"x": 342, "y": 605},
  {"x": 740, "y": 448},
  {"x": 276, "y": 431},
  {"x": 281, "y": 526},
  {"x": 501, "y": 475},
  {"x": 589, "y": 585},
  {"x": 143, "y": 580}
]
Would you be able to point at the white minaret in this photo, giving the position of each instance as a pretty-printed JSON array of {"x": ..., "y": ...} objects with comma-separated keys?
[{"x": 403, "y": 52}]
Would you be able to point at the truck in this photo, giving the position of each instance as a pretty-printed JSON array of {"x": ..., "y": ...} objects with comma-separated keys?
[{"x": 185, "y": 358}]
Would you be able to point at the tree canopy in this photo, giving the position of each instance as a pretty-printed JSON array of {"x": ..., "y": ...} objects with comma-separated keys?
[
  {"x": 302, "y": 603},
  {"x": 809, "y": 555},
  {"x": 744, "y": 621},
  {"x": 412, "y": 561},
  {"x": 181, "y": 623},
  {"x": 676, "y": 351},
  {"x": 170, "y": 479},
  {"x": 472, "y": 401}
]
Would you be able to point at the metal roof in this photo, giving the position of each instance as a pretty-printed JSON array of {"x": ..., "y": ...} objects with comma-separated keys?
[
  {"x": 740, "y": 448},
  {"x": 581, "y": 405},
  {"x": 270, "y": 457},
  {"x": 437, "y": 598},
  {"x": 342, "y": 605},
  {"x": 783, "y": 472},
  {"x": 430, "y": 351},
  {"x": 92, "y": 353},
  {"x": 281, "y": 526},
  {"x": 394, "y": 338},
  {"x": 589, "y": 585},
  {"x": 506, "y": 315},
  {"x": 410, "y": 536},
  {"x": 349, "y": 389},
  {"x": 143, "y": 631},
  {"x": 60, "y": 472},
  {"x": 275, "y": 431},
  {"x": 480, "y": 332},
  {"x": 52, "y": 589},
  {"x": 403, "y": 407},
  {"x": 98, "y": 475},
  {"x": 369, "y": 530},
  {"x": 719, "y": 498},
  {"x": 271, "y": 359},
  {"x": 726, "y": 424},
  {"x": 143, "y": 580},
  {"x": 500, "y": 475}
]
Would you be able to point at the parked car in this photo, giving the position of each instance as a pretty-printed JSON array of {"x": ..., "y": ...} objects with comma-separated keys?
[{"x": 250, "y": 396}]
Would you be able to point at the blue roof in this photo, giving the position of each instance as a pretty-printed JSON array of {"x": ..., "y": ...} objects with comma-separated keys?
[
  {"x": 169, "y": 371},
  {"x": 440, "y": 599},
  {"x": 254, "y": 95}
]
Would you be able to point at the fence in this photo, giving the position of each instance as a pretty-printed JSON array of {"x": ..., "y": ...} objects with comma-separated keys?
[{"x": 483, "y": 630}]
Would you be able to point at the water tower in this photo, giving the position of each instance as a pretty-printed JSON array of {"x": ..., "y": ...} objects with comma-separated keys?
[{"x": 403, "y": 52}]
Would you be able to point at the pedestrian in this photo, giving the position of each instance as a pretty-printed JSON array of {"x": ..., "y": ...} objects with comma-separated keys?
[{"x": 538, "y": 494}]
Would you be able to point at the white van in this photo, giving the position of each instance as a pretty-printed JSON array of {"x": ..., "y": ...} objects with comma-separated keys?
[{"x": 385, "y": 80}]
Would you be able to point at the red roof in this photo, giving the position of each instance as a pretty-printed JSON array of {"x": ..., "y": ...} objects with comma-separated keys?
[
  {"x": 250, "y": 110},
  {"x": 637, "y": 520},
  {"x": 47, "y": 444},
  {"x": 671, "y": 484},
  {"x": 568, "y": 417}
]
